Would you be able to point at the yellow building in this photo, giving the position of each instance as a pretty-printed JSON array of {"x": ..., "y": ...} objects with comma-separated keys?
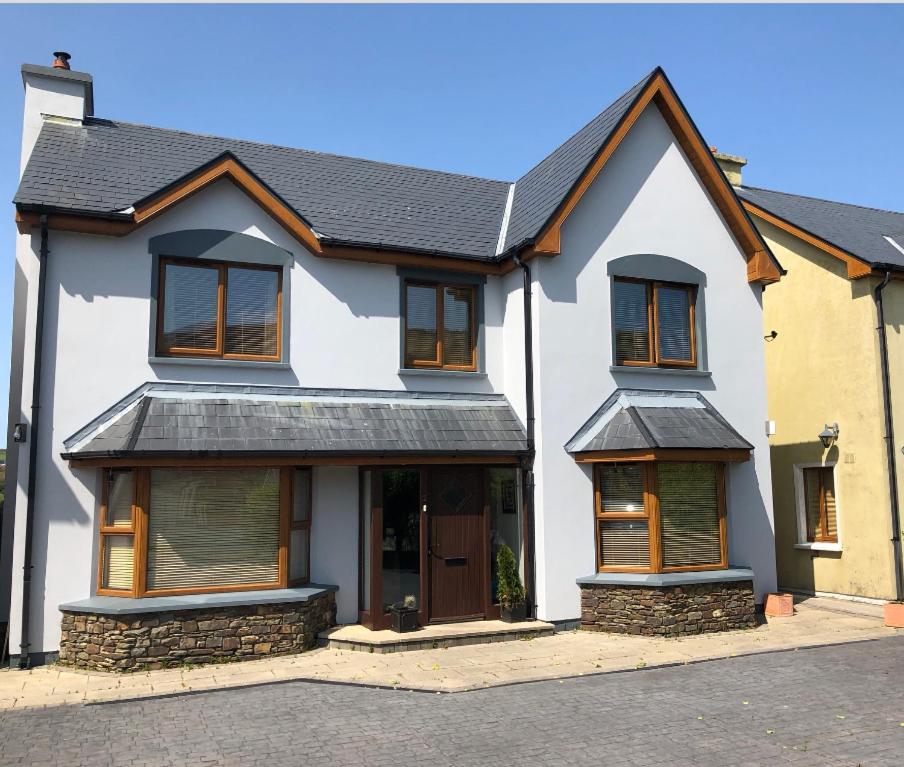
[{"x": 835, "y": 506}]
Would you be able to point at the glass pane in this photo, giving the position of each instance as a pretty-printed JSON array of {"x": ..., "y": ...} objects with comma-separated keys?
[
  {"x": 689, "y": 514},
  {"x": 631, "y": 321},
  {"x": 251, "y": 309},
  {"x": 213, "y": 527},
  {"x": 401, "y": 536},
  {"x": 505, "y": 519},
  {"x": 624, "y": 543},
  {"x": 119, "y": 499},
  {"x": 301, "y": 496},
  {"x": 458, "y": 338},
  {"x": 828, "y": 480},
  {"x": 673, "y": 310},
  {"x": 118, "y": 556},
  {"x": 811, "y": 495},
  {"x": 190, "y": 307},
  {"x": 420, "y": 323},
  {"x": 621, "y": 488},
  {"x": 366, "y": 540},
  {"x": 298, "y": 555}
]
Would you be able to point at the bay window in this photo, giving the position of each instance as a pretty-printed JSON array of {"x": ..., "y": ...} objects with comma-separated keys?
[
  {"x": 186, "y": 530},
  {"x": 660, "y": 516}
]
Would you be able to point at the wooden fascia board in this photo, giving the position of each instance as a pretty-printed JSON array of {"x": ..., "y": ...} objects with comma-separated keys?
[
  {"x": 418, "y": 260},
  {"x": 664, "y": 454},
  {"x": 856, "y": 267},
  {"x": 658, "y": 91}
]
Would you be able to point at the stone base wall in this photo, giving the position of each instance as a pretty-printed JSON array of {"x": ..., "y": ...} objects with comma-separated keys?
[
  {"x": 668, "y": 610},
  {"x": 207, "y": 635}
]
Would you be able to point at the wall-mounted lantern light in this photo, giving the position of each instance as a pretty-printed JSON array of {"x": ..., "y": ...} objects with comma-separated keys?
[{"x": 828, "y": 435}]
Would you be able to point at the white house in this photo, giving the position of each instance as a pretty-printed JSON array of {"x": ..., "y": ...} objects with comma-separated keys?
[{"x": 276, "y": 389}]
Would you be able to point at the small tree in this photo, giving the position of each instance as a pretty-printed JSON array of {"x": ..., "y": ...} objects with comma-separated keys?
[{"x": 511, "y": 591}]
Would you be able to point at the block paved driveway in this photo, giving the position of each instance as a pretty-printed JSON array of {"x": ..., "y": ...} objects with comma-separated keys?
[{"x": 837, "y": 705}]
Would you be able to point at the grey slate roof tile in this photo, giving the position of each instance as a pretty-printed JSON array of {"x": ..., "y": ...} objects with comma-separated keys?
[
  {"x": 261, "y": 426},
  {"x": 860, "y": 231}
]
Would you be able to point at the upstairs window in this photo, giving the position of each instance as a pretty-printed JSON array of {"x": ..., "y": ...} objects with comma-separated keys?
[
  {"x": 230, "y": 311},
  {"x": 819, "y": 504},
  {"x": 440, "y": 326},
  {"x": 653, "y": 323}
]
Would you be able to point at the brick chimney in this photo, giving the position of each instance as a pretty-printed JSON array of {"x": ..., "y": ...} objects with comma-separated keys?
[
  {"x": 53, "y": 92},
  {"x": 730, "y": 164}
]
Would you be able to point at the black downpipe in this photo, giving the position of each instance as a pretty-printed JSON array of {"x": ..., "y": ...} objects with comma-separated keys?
[
  {"x": 890, "y": 439},
  {"x": 27, "y": 567},
  {"x": 528, "y": 463}
]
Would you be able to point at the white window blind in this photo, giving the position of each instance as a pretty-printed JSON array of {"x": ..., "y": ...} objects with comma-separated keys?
[
  {"x": 624, "y": 543},
  {"x": 190, "y": 307},
  {"x": 119, "y": 499},
  {"x": 630, "y": 321},
  {"x": 674, "y": 327},
  {"x": 251, "y": 309},
  {"x": 118, "y": 554},
  {"x": 213, "y": 528},
  {"x": 420, "y": 324},
  {"x": 621, "y": 488},
  {"x": 689, "y": 514},
  {"x": 458, "y": 341}
]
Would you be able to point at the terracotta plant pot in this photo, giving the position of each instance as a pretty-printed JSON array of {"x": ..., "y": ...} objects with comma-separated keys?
[
  {"x": 894, "y": 614},
  {"x": 779, "y": 605}
]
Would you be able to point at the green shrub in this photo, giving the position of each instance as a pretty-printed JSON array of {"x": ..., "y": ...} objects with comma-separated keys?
[{"x": 511, "y": 591}]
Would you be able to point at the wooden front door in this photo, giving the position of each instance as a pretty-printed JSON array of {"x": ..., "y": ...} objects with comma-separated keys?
[{"x": 456, "y": 550}]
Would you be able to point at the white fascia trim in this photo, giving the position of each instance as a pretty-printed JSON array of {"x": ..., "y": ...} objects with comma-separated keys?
[
  {"x": 503, "y": 229},
  {"x": 894, "y": 244},
  {"x": 323, "y": 399},
  {"x": 103, "y": 425}
]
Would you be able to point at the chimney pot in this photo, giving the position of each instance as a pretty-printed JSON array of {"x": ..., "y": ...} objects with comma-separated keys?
[
  {"x": 62, "y": 60},
  {"x": 730, "y": 164}
]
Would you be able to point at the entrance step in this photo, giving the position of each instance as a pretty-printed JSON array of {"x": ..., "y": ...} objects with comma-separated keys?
[{"x": 438, "y": 636}]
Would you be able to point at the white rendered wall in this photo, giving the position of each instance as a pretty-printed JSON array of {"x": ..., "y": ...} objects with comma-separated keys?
[
  {"x": 345, "y": 332},
  {"x": 647, "y": 200}
]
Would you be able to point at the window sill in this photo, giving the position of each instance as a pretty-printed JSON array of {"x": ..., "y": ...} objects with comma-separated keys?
[
  {"x": 216, "y": 362},
  {"x": 103, "y": 605},
  {"x": 441, "y": 373},
  {"x": 655, "y": 580},
  {"x": 818, "y": 546},
  {"x": 689, "y": 372}
]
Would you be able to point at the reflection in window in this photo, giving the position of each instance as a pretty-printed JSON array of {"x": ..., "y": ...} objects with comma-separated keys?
[
  {"x": 401, "y": 536},
  {"x": 505, "y": 518}
]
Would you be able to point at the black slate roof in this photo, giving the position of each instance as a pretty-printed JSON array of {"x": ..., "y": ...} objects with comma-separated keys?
[
  {"x": 685, "y": 420},
  {"x": 341, "y": 423},
  {"x": 859, "y": 231},
  {"x": 540, "y": 191}
]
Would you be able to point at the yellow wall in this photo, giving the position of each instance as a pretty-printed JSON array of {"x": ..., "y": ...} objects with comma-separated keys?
[{"x": 823, "y": 367}]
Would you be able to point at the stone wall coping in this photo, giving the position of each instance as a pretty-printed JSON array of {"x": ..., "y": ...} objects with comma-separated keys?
[
  {"x": 657, "y": 580},
  {"x": 98, "y": 605}
]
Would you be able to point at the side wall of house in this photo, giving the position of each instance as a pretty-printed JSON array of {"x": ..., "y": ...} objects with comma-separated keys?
[
  {"x": 823, "y": 367},
  {"x": 344, "y": 333},
  {"x": 646, "y": 201}
]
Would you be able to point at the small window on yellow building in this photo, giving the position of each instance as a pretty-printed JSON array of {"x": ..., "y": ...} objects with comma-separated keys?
[{"x": 819, "y": 504}]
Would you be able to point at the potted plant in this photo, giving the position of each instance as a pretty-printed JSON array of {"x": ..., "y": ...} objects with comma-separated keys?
[
  {"x": 512, "y": 607},
  {"x": 404, "y": 615}
]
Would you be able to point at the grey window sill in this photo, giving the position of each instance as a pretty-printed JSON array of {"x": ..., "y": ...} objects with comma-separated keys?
[
  {"x": 660, "y": 371},
  {"x": 655, "y": 580},
  {"x": 441, "y": 373},
  {"x": 818, "y": 546},
  {"x": 102, "y": 605},
  {"x": 213, "y": 363}
]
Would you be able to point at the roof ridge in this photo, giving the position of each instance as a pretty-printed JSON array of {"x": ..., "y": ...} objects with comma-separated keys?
[
  {"x": 614, "y": 101},
  {"x": 383, "y": 163},
  {"x": 821, "y": 199}
]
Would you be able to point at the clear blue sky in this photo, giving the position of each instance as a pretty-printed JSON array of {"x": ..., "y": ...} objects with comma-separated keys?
[{"x": 810, "y": 94}]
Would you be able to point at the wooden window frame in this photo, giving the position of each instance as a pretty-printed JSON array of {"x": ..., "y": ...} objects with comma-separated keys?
[
  {"x": 823, "y": 509},
  {"x": 141, "y": 487},
  {"x": 437, "y": 362},
  {"x": 650, "y": 513},
  {"x": 222, "y": 268},
  {"x": 653, "y": 287}
]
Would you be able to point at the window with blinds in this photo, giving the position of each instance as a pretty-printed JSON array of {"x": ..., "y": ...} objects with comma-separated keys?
[
  {"x": 440, "y": 326},
  {"x": 117, "y": 531},
  {"x": 659, "y": 516},
  {"x": 212, "y": 528},
  {"x": 819, "y": 504},
  {"x": 210, "y": 309},
  {"x": 689, "y": 514},
  {"x": 653, "y": 323}
]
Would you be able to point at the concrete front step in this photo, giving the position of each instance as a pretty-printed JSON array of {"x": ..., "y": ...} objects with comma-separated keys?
[{"x": 439, "y": 636}]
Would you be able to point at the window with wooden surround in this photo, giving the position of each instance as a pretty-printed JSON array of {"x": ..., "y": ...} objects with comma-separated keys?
[
  {"x": 182, "y": 530},
  {"x": 819, "y": 504},
  {"x": 440, "y": 326},
  {"x": 660, "y": 516},
  {"x": 653, "y": 323},
  {"x": 225, "y": 310}
]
